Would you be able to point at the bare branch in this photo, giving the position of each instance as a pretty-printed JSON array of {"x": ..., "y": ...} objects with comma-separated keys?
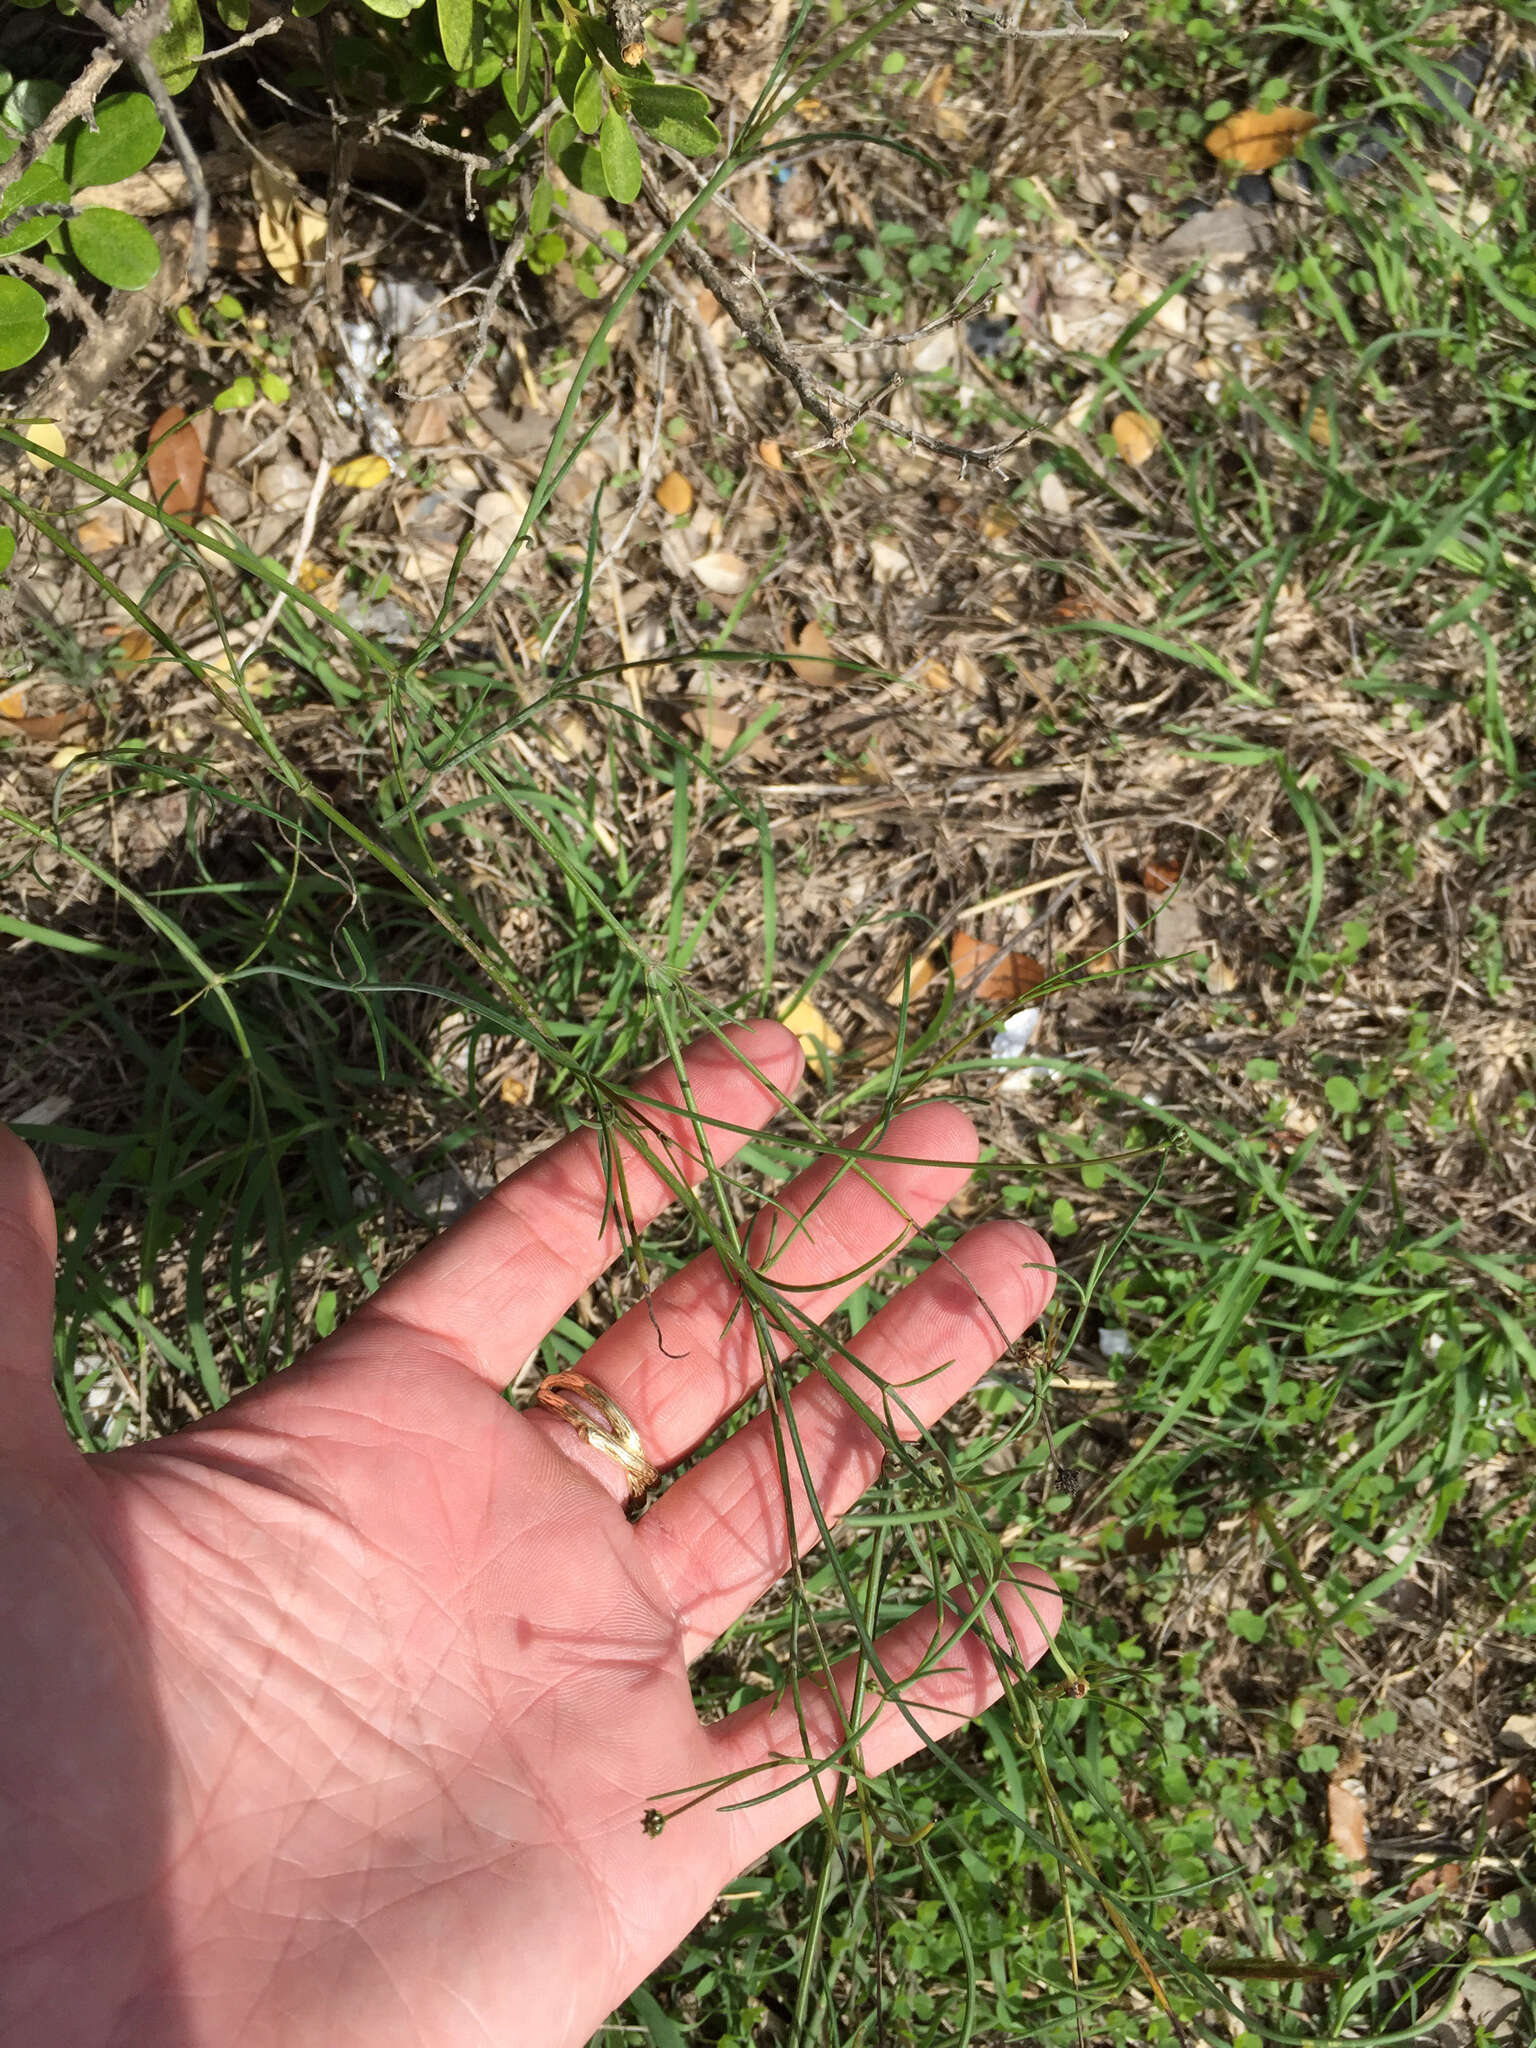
[
  {"x": 628, "y": 21},
  {"x": 75, "y": 106},
  {"x": 73, "y": 302},
  {"x": 131, "y": 38},
  {"x": 268, "y": 28}
]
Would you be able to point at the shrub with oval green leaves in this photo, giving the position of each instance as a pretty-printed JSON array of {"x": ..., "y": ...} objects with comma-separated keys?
[
  {"x": 37, "y": 211},
  {"x": 489, "y": 70}
]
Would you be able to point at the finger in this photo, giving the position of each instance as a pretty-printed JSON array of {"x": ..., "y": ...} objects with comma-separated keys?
[
  {"x": 489, "y": 1289},
  {"x": 959, "y": 1680},
  {"x": 680, "y": 1362},
  {"x": 720, "y": 1536},
  {"x": 28, "y": 1249}
]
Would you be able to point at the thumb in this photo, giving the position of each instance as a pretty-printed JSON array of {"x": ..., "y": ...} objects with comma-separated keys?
[{"x": 28, "y": 1247}]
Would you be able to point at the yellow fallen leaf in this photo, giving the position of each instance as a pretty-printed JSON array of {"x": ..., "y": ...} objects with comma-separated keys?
[
  {"x": 362, "y": 473},
  {"x": 912, "y": 980},
  {"x": 936, "y": 676},
  {"x": 817, "y": 1037},
  {"x": 1253, "y": 141},
  {"x": 1320, "y": 428},
  {"x": 13, "y": 703},
  {"x": 46, "y": 435},
  {"x": 674, "y": 494},
  {"x": 809, "y": 654},
  {"x": 771, "y": 454},
  {"x": 292, "y": 235},
  {"x": 1136, "y": 436}
]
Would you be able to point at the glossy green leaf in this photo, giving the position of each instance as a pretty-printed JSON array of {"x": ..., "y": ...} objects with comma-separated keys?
[
  {"x": 235, "y": 14},
  {"x": 233, "y": 396},
  {"x": 570, "y": 61},
  {"x": 392, "y": 10},
  {"x": 455, "y": 23},
  {"x": 23, "y": 322},
  {"x": 29, "y": 101},
  {"x": 587, "y": 102},
  {"x": 127, "y": 136},
  {"x": 583, "y": 165},
  {"x": 39, "y": 185},
  {"x": 7, "y": 548},
  {"x": 677, "y": 115},
  {"x": 114, "y": 247},
  {"x": 621, "y": 159},
  {"x": 524, "y": 55},
  {"x": 181, "y": 42}
]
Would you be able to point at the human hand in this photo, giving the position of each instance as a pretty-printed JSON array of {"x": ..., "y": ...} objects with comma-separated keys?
[{"x": 333, "y": 1719}]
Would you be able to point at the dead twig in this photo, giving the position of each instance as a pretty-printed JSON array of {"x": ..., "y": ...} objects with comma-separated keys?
[
  {"x": 268, "y": 28},
  {"x": 1074, "y": 31},
  {"x": 709, "y": 355},
  {"x": 76, "y": 105},
  {"x": 132, "y": 38},
  {"x": 72, "y": 301},
  {"x": 813, "y": 394},
  {"x": 627, "y": 18},
  {"x": 274, "y": 612}
]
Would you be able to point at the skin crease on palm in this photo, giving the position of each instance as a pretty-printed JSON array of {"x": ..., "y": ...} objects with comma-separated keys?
[{"x": 334, "y": 1718}]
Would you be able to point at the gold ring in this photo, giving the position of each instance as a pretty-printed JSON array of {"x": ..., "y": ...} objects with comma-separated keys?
[{"x": 615, "y": 1435}]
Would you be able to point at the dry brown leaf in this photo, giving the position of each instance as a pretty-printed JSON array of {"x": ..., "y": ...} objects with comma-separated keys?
[
  {"x": 990, "y": 974},
  {"x": 727, "y": 575},
  {"x": 674, "y": 494},
  {"x": 1347, "y": 1830},
  {"x": 817, "y": 1037},
  {"x": 935, "y": 676},
  {"x": 708, "y": 305},
  {"x": 428, "y": 423},
  {"x": 292, "y": 235},
  {"x": 48, "y": 725},
  {"x": 1136, "y": 436},
  {"x": 722, "y": 729},
  {"x": 809, "y": 654},
  {"x": 178, "y": 465},
  {"x": 771, "y": 454},
  {"x": 1445, "y": 1877},
  {"x": 1158, "y": 877},
  {"x": 1509, "y": 1804},
  {"x": 933, "y": 92},
  {"x": 132, "y": 645},
  {"x": 1257, "y": 142},
  {"x": 103, "y": 532}
]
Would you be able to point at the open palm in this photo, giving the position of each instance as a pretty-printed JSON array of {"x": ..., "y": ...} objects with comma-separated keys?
[{"x": 334, "y": 1719}]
